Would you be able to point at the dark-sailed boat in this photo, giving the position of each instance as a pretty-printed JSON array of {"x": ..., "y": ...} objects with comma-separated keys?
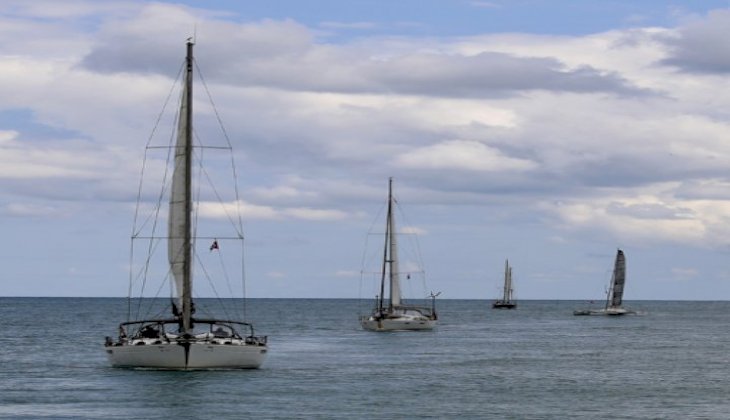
[
  {"x": 184, "y": 341},
  {"x": 507, "y": 301},
  {"x": 614, "y": 297}
]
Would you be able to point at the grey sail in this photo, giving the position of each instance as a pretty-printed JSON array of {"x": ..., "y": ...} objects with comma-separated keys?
[{"x": 619, "y": 278}]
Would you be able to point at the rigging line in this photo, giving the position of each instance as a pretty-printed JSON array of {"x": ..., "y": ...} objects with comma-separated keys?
[
  {"x": 212, "y": 286},
  {"x": 414, "y": 245},
  {"x": 228, "y": 143},
  {"x": 367, "y": 259},
  {"x": 412, "y": 239},
  {"x": 239, "y": 211},
  {"x": 243, "y": 280},
  {"x": 239, "y": 226},
  {"x": 143, "y": 275},
  {"x": 155, "y": 215},
  {"x": 149, "y": 142},
  {"x": 152, "y": 301},
  {"x": 139, "y": 193},
  {"x": 212, "y": 103},
  {"x": 141, "y": 180},
  {"x": 152, "y": 134},
  {"x": 224, "y": 271},
  {"x": 203, "y": 171}
]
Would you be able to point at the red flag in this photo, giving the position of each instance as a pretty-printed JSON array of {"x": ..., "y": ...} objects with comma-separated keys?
[{"x": 214, "y": 245}]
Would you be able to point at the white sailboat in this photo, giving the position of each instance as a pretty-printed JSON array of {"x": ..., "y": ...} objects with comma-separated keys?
[
  {"x": 614, "y": 297},
  {"x": 507, "y": 301},
  {"x": 393, "y": 314},
  {"x": 184, "y": 341}
]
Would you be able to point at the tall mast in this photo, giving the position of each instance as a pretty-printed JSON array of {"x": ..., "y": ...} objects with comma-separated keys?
[
  {"x": 386, "y": 260},
  {"x": 187, "y": 269}
]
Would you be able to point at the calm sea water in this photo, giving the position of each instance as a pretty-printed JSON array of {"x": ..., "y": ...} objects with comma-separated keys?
[{"x": 536, "y": 362}]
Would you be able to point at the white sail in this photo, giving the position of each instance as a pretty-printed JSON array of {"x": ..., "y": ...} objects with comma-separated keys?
[
  {"x": 179, "y": 219},
  {"x": 395, "y": 296},
  {"x": 177, "y": 225}
]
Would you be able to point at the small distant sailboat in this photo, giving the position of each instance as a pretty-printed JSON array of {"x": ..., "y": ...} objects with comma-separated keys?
[
  {"x": 393, "y": 314},
  {"x": 614, "y": 298},
  {"x": 184, "y": 341},
  {"x": 507, "y": 301}
]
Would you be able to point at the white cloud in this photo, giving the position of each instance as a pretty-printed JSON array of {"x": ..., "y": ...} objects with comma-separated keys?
[
  {"x": 462, "y": 155},
  {"x": 413, "y": 230},
  {"x": 651, "y": 215},
  {"x": 251, "y": 211}
]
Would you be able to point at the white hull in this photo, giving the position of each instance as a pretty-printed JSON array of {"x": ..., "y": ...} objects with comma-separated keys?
[
  {"x": 200, "y": 355},
  {"x": 397, "y": 324},
  {"x": 605, "y": 312}
]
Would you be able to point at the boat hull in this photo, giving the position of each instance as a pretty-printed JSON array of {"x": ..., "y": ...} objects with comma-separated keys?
[
  {"x": 186, "y": 356},
  {"x": 504, "y": 305},
  {"x": 604, "y": 312},
  {"x": 397, "y": 324}
]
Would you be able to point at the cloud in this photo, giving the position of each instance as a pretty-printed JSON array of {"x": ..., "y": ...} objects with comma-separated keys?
[
  {"x": 251, "y": 211},
  {"x": 286, "y": 55},
  {"x": 320, "y": 125},
  {"x": 413, "y": 230},
  {"x": 348, "y": 25},
  {"x": 648, "y": 215},
  {"x": 701, "y": 46},
  {"x": 28, "y": 210},
  {"x": 684, "y": 274},
  {"x": 462, "y": 155}
]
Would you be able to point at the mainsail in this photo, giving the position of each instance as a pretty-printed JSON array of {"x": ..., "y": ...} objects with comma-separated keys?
[
  {"x": 179, "y": 221},
  {"x": 395, "y": 297},
  {"x": 507, "y": 282},
  {"x": 619, "y": 278}
]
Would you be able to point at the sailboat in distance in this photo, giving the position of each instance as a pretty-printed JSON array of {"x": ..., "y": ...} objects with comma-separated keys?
[
  {"x": 393, "y": 314},
  {"x": 183, "y": 340},
  {"x": 615, "y": 294},
  {"x": 507, "y": 301}
]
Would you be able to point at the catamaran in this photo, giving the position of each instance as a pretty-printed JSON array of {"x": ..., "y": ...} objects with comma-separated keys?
[
  {"x": 614, "y": 297},
  {"x": 184, "y": 341},
  {"x": 506, "y": 302},
  {"x": 393, "y": 314}
]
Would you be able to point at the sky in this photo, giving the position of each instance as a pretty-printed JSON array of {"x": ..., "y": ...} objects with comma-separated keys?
[{"x": 551, "y": 133}]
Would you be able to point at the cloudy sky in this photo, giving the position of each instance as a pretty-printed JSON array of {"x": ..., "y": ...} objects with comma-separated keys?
[{"x": 547, "y": 132}]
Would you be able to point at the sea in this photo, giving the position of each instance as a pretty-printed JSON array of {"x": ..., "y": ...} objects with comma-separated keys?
[{"x": 672, "y": 361}]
